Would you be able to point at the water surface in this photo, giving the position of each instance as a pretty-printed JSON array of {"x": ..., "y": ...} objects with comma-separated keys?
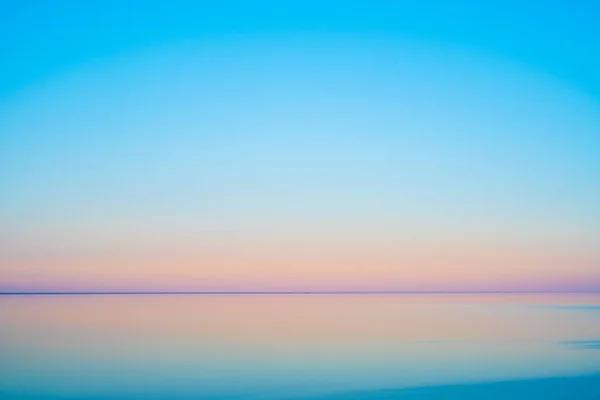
[{"x": 299, "y": 346}]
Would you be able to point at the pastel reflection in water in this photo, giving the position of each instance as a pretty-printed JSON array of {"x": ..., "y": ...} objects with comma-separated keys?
[{"x": 290, "y": 346}]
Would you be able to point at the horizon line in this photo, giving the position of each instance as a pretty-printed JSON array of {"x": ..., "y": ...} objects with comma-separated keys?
[{"x": 291, "y": 292}]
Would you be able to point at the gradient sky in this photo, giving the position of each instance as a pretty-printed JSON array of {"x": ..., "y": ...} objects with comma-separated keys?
[{"x": 256, "y": 145}]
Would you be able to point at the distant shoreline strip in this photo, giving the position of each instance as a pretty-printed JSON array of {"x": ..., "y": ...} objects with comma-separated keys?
[{"x": 279, "y": 293}]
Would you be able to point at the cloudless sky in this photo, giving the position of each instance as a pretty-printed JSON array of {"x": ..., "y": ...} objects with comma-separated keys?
[{"x": 299, "y": 145}]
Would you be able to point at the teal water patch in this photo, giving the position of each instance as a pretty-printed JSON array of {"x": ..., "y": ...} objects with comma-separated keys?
[
  {"x": 558, "y": 388},
  {"x": 583, "y": 344}
]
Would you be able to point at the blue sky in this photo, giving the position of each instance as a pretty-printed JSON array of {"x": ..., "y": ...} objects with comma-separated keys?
[
  {"x": 41, "y": 38},
  {"x": 134, "y": 127}
]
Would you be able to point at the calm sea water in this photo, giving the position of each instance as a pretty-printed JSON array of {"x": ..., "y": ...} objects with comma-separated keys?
[{"x": 300, "y": 347}]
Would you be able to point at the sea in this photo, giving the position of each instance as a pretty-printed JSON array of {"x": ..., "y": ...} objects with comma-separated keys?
[{"x": 317, "y": 346}]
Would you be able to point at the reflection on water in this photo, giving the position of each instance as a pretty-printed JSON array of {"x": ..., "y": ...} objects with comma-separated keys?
[{"x": 297, "y": 346}]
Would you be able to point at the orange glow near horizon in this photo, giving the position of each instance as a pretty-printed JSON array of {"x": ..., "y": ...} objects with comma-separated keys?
[{"x": 339, "y": 267}]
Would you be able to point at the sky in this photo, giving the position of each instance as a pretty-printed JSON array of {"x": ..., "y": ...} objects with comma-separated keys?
[{"x": 300, "y": 145}]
